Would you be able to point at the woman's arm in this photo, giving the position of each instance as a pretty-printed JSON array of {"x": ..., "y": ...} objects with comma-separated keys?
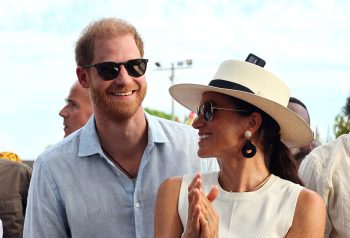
[
  {"x": 202, "y": 219},
  {"x": 309, "y": 217},
  {"x": 167, "y": 221}
]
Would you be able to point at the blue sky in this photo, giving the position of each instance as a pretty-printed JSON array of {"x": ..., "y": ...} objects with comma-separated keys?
[{"x": 304, "y": 42}]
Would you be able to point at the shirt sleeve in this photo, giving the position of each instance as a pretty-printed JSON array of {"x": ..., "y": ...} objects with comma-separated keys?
[
  {"x": 45, "y": 214},
  {"x": 314, "y": 178}
]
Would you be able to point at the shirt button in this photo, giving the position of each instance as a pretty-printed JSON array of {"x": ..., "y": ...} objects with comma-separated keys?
[{"x": 137, "y": 204}]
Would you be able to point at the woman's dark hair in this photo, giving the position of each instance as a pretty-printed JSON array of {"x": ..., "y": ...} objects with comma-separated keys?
[{"x": 278, "y": 157}]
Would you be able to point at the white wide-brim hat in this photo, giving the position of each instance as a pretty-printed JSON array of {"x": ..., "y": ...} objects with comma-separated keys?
[{"x": 255, "y": 85}]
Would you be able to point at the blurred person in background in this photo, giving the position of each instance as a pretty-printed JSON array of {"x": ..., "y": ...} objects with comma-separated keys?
[
  {"x": 10, "y": 156},
  {"x": 300, "y": 109},
  {"x": 14, "y": 184},
  {"x": 1, "y": 230},
  {"x": 326, "y": 171},
  {"x": 77, "y": 110}
]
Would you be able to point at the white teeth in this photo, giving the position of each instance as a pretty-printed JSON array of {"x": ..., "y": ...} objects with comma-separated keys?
[
  {"x": 201, "y": 137},
  {"x": 123, "y": 94}
]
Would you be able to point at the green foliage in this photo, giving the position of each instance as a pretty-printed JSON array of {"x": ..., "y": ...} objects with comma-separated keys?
[
  {"x": 341, "y": 124},
  {"x": 187, "y": 120},
  {"x": 158, "y": 113}
]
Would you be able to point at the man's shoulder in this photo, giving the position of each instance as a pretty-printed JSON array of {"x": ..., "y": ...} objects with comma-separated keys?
[
  {"x": 329, "y": 155},
  {"x": 174, "y": 132},
  {"x": 172, "y": 125},
  {"x": 67, "y": 147},
  {"x": 331, "y": 149}
]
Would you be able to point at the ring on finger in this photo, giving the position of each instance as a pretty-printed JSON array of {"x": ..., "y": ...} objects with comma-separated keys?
[{"x": 208, "y": 220}]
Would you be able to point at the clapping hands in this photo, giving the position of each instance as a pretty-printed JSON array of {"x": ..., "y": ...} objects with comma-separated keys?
[{"x": 203, "y": 221}]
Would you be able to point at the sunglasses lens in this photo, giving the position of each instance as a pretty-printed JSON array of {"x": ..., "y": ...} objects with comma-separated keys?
[
  {"x": 108, "y": 70},
  {"x": 136, "y": 67},
  {"x": 207, "y": 111}
]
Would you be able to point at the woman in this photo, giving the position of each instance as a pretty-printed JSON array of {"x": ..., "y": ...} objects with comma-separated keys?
[{"x": 243, "y": 121}]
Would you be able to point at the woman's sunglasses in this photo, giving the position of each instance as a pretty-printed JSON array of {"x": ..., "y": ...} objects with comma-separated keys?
[
  {"x": 206, "y": 110},
  {"x": 110, "y": 70}
]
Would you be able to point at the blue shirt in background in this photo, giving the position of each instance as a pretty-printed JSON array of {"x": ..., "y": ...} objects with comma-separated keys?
[
  {"x": 1, "y": 231},
  {"x": 76, "y": 191}
]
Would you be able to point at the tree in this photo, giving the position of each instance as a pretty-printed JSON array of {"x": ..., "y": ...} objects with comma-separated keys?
[
  {"x": 342, "y": 120},
  {"x": 160, "y": 114}
]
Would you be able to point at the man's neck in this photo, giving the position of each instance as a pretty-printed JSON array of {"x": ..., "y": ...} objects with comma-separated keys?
[
  {"x": 124, "y": 142},
  {"x": 123, "y": 137}
]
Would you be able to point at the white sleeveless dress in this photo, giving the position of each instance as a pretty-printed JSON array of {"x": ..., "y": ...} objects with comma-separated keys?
[{"x": 266, "y": 212}]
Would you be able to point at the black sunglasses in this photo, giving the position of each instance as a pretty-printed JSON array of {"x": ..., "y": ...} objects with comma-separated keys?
[
  {"x": 110, "y": 70},
  {"x": 206, "y": 110}
]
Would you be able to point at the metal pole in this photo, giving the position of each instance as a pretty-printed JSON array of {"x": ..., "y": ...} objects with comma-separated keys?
[
  {"x": 172, "y": 83},
  {"x": 172, "y": 76}
]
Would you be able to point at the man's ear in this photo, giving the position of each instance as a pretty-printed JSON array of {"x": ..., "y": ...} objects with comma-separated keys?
[
  {"x": 254, "y": 122},
  {"x": 82, "y": 76}
]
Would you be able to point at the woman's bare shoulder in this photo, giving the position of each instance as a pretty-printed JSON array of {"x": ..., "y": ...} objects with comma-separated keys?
[
  {"x": 310, "y": 200},
  {"x": 170, "y": 186},
  {"x": 310, "y": 215},
  {"x": 171, "y": 183}
]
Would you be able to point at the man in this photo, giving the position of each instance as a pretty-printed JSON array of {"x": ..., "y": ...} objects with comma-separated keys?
[
  {"x": 14, "y": 184},
  {"x": 326, "y": 171},
  {"x": 299, "y": 108},
  {"x": 77, "y": 110},
  {"x": 102, "y": 181}
]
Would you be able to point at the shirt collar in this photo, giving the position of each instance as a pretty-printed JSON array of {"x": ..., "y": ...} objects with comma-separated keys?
[
  {"x": 89, "y": 142},
  {"x": 156, "y": 132}
]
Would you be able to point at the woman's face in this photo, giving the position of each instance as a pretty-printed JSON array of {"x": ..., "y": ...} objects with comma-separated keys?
[{"x": 223, "y": 135}]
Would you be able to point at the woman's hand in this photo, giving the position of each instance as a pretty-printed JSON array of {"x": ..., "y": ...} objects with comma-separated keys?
[{"x": 202, "y": 219}]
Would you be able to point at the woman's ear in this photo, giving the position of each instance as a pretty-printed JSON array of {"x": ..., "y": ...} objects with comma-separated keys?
[
  {"x": 254, "y": 122},
  {"x": 82, "y": 77}
]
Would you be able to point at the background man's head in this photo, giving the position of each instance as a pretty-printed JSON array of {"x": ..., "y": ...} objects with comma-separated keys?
[
  {"x": 299, "y": 108},
  {"x": 77, "y": 110}
]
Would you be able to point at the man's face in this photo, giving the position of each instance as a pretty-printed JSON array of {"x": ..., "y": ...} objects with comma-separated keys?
[
  {"x": 300, "y": 110},
  {"x": 77, "y": 110},
  {"x": 300, "y": 153},
  {"x": 120, "y": 98}
]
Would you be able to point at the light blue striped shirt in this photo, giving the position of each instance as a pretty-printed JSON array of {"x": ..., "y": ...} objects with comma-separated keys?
[{"x": 76, "y": 191}]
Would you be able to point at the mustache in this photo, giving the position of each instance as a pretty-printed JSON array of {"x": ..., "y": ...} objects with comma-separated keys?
[{"x": 120, "y": 88}]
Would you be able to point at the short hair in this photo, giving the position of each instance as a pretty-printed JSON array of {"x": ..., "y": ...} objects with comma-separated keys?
[
  {"x": 105, "y": 28},
  {"x": 297, "y": 101}
]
